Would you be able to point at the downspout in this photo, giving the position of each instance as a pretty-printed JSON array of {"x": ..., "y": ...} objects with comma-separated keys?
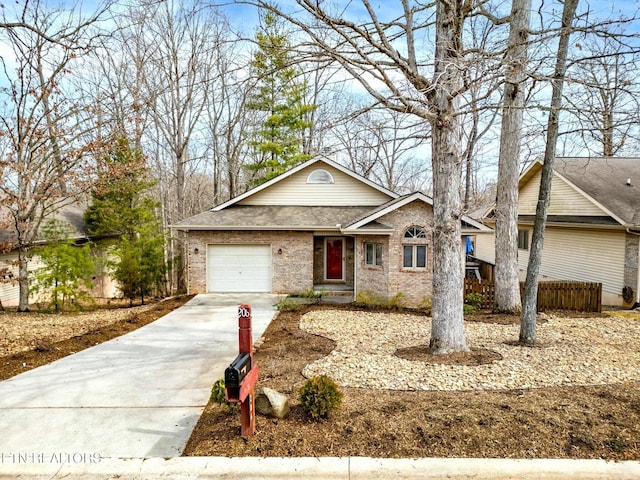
[
  {"x": 355, "y": 268},
  {"x": 637, "y": 234}
]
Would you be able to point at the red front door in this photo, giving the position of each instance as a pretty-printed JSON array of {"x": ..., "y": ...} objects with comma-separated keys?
[{"x": 334, "y": 258}]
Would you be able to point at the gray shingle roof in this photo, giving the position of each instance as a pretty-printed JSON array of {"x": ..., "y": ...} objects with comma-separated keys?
[
  {"x": 605, "y": 180},
  {"x": 273, "y": 217},
  {"x": 71, "y": 214}
]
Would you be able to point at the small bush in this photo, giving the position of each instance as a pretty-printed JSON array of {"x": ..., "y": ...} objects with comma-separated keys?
[
  {"x": 617, "y": 443},
  {"x": 288, "y": 304},
  {"x": 218, "y": 395},
  {"x": 312, "y": 297},
  {"x": 320, "y": 396},
  {"x": 474, "y": 299},
  {"x": 472, "y": 302},
  {"x": 396, "y": 302},
  {"x": 468, "y": 309},
  {"x": 369, "y": 299}
]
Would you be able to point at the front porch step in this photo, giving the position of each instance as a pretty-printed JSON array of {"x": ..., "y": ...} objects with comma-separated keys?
[
  {"x": 340, "y": 298},
  {"x": 334, "y": 293}
]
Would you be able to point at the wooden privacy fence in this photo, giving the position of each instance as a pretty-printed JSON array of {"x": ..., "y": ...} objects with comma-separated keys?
[{"x": 579, "y": 296}]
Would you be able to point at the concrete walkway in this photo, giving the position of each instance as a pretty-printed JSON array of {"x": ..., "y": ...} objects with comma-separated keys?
[{"x": 139, "y": 395}]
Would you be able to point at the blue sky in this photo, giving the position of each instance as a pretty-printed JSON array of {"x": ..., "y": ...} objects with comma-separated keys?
[{"x": 246, "y": 16}]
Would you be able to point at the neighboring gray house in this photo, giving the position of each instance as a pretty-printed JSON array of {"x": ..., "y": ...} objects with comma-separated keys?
[
  {"x": 317, "y": 226},
  {"x": 593, "y": 225},
  {"x": 70, "y": 214}
]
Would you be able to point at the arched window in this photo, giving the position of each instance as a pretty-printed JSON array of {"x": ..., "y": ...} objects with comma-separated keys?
[
  {"x": 415, "y": 232},
  {"x": 320, "y": 176},
  {"x": 414, "y": 248}
]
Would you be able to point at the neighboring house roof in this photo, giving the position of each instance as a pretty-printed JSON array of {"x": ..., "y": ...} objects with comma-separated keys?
[
  {"x": 240, "y": 214},
  {"x": 611, "y": 184},
  {"x": 71, "y": 214}
]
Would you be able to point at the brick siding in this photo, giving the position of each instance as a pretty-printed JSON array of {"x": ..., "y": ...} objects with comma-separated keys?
[
  {"x": 392, "y": 278},
  {"x": 301, "y": 261},
  {"x": 292, "y": 269}
]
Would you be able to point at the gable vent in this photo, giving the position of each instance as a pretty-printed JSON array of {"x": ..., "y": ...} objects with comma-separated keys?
[{"x": 320, "y": 176}]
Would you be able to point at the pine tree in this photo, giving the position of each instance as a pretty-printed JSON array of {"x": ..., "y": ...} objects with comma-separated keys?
[
  {"x": 119, "y": 203},
  {"x": 67, "y": 274},
  {"x": 280, "y": 98},
  {"x": 121, "y": 208}
]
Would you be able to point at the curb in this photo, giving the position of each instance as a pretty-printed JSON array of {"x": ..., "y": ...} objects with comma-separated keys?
[{"x": 334, "y": 468}]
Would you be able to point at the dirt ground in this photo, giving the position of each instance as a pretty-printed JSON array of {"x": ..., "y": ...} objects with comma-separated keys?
[
  {"x": 29, "y": 340},
  {"x": 562, "y": 422}
]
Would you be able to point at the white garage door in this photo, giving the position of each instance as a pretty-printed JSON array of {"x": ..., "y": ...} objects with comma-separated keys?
[{"x": 239, "y": 268}]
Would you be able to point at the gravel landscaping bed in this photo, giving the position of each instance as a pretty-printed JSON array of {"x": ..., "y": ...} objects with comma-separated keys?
[{"x": 571, "y": 352}]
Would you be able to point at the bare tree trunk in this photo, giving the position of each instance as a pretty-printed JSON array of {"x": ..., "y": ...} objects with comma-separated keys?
[
  {"x": 507, "y": 285},
  {"x": 447, "y": 324},
  {"x": 53, "y": 136},
  {"x": 528, "y": 320},
  {"x": 468, "y": 159},
  {"x": 23, "y": 279}
]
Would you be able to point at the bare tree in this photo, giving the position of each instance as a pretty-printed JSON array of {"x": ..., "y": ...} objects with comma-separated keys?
[
  {"x": 178, "y": 46},
  {"x": 21, "y": 21},
  {"x": 528, "y": 320},
  {"x": 483, "y": 80},
  {"x": 227, "y": 129},
  {"x": 603, "y": 96},
  {"x": 381, "y": 145},
  {"x": 507, "y": 284},
  {"x": 39, "y": 122}
]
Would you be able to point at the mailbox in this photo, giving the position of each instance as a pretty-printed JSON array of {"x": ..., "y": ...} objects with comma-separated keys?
[
  {"x": 239, "y": 368},
  {"x": 241, "y": 376}
]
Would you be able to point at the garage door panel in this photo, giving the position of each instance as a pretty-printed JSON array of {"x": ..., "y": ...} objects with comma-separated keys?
[{"x": 239, "y": 268}]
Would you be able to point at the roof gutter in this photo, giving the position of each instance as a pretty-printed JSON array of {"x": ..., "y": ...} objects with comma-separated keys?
[{"x": 304, "y": 228}]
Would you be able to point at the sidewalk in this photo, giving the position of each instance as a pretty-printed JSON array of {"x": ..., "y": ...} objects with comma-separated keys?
[
  {"x": 139, "y": 395},
  {"x": 356, "y": 468}
]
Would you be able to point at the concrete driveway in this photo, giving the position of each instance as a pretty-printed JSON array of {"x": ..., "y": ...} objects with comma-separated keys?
[{"x": 139, "y": 395}]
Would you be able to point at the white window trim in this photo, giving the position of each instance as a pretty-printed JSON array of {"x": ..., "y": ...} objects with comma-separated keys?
[
  {"x": 414, "y": 256},
  {"x": 525, "y": 233},
  {"x": 325, "y": 177},
  {"x": 376, "y": 258}
]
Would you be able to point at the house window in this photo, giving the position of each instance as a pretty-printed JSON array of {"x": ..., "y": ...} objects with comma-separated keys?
[
  {"x": 523, "y": 239},
  {"x": 414, "y": 248},
  {"x": 373, "y": 254},
  {"x": 415, "y": 232},
  {"x": 414, "y": 256},
  {"x": 320, "y": 176}
]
